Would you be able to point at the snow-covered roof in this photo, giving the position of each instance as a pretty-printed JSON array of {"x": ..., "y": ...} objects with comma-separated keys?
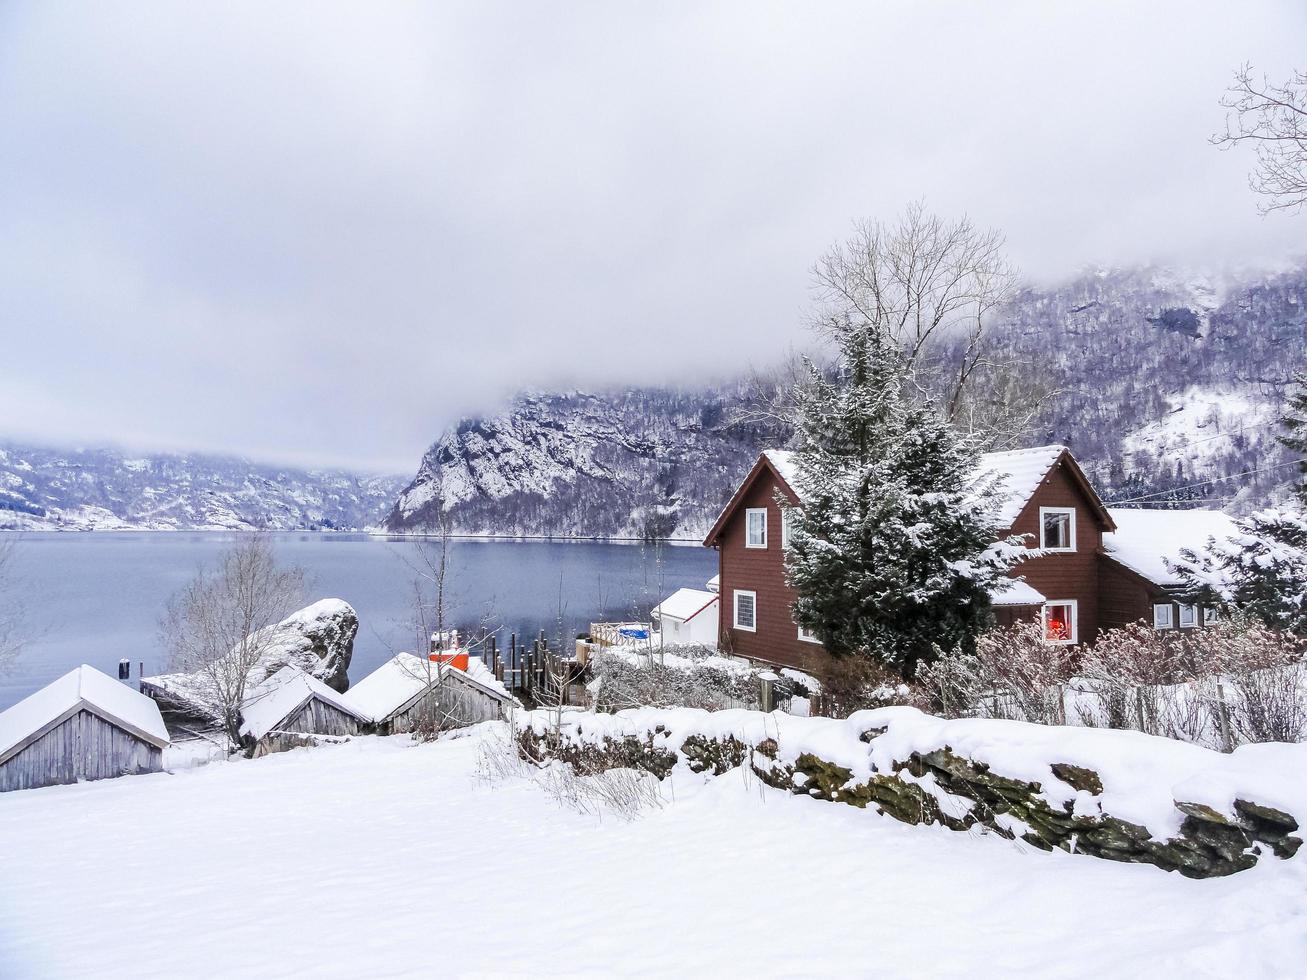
[
  {"x": 404, "y": 676},
  {"x": 281, "y": 695},
  {"x": 87, "y": 687},
  {"x": 1018, "y": 474},
  {"x": 685, "y": 604},
  {"x": 1013, "y": 592},
  {"x": 715, "y": 584},
  {"x": 1145, "y": 539}
]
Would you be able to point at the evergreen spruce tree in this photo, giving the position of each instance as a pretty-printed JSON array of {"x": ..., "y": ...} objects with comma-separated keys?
[
  {"x": 891, "y": 554},
  {"x": 1261, "y": 570}
]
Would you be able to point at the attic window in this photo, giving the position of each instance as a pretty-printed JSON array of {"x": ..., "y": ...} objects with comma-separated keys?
[
  {"x": 1057, "y": 528},
  {"x": 755, "y": 527}
]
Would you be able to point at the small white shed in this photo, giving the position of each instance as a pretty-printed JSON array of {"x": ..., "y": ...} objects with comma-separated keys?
[
  {"x": 407, "y": 691},
  {"x": 85, "y": 725},
  {"x": 688, "y": 616},
  {"x": 290, "y": 708}
]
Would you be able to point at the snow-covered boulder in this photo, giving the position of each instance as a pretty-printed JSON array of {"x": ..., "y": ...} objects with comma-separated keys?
[{"x": 318, "y": 639}]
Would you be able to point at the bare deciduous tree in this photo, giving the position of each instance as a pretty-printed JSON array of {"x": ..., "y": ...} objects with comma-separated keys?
[
  {"x": 1274, "y": 119},
  {"x": 922, "y": 281},
  {"x": 217, "y": 628}
]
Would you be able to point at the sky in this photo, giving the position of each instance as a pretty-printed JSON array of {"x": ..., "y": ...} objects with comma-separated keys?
[{"x": 318, "y": 234}]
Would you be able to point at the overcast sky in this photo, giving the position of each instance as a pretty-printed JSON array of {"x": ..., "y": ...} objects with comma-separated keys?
[{"x": 319, "y": 235}]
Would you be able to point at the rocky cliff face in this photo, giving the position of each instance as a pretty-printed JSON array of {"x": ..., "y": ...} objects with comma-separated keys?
[
  {"x": 102, "y": 489},
  {"x": 318, "y": 639},
  {"x": 639, "y": 463},
  {"x": 1165, "y": 385}
]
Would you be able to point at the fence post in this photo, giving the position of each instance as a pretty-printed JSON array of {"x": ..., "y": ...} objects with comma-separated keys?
[{"x": 1223, "y": 717}]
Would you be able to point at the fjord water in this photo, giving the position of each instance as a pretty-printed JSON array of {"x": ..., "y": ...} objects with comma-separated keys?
[{"x": 96, "y": 597}]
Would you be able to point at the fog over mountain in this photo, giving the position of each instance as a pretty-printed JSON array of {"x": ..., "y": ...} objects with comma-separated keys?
[{"x": 317, "y": 234}]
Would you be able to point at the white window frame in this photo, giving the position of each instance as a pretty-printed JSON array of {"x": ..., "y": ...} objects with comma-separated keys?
[
  {"x": 1211, "y": 615},
  {"x": 1071, "y": 528},
  {"x": 1074, "y": 606},
  {"x": 748, "y": 515},
  {"x": 735, "y": 612},
  {"x": 1193, "y": 617},
  {"x": 808, "y": 637},
  {"x": 1158, "y": 622},
  {"x": 785, "y": 526}
]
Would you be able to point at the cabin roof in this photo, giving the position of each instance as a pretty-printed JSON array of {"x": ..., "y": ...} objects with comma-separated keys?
[
  {"x": 87, "y": 687},
  {"x": 685, "y": 604},
  {"x": 1146, "y": 538},
  {"x": 405, "y": 676},
  {"x": 281, "y": 695},
  {"x": 1017, "y": 475}
]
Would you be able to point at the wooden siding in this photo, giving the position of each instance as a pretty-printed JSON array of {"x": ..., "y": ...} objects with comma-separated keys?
[
  {"x": 761, "y": 570},
  {"x": 314, "y": 717},
  {"x": 1065, "y": 575},
  {"x": 457, "y": 705},
  {"x": 83, "y": 746}
]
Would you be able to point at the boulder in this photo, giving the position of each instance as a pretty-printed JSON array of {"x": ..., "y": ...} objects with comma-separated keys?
[{"x": 318, "y": 639}]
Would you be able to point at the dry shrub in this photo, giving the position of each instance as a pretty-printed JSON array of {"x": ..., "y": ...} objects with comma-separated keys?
[
  {"x": 854, "y": 683},
  {"x": 1266, "y": 698},
  {"x": 1013, "y": 674}
]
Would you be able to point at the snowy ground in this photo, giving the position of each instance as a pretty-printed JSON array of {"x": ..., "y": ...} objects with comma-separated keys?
[{"x": 382, "y": 858}]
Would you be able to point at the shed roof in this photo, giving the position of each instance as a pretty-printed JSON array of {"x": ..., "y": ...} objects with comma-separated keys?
[
  {"x": 1145, "y": 539},
  {"x": 281, "y": 695},
  {"x": 405, "y": 676},
  {"x": 685, "y": 604},
  {"x": 81, "y": 687}
]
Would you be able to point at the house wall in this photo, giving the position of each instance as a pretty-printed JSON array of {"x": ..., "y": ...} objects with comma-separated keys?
[
  {"x": 1125, "y": 597},
  {"x": 1065, "y": 575},
  {"x": 762, "y": 571},
  {"x": 85, "y": 746},
  {"x": 451, "y": 704},
  {"x": 314, "y": 717},
  {"x": 703, "y": 628}
]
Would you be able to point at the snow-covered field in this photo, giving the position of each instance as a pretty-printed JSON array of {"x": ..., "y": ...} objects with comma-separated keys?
[{"x": 382, "y": 858}]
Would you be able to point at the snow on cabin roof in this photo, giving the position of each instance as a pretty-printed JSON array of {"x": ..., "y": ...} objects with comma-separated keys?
[
  {"x": 1145, "y": 539},
  {"x": 269, "y": 704},
  {"x": 1019, "y": 473},
  {"x": 84, "y": 685},
  {"x": 715, "y": 584},
  {"x": 685, "y": 604},
  {"x": 1013, "y": 592},
  {"x": 404, "y": 676}
]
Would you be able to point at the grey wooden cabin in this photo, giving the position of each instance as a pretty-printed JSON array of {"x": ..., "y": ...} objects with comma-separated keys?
[
  {"x": 292, "y": 709},
  {"x": 407, "y": 692},
  {"x": 83, "y": 726}
]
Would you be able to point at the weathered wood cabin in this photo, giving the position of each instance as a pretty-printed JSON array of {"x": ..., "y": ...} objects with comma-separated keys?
[
  {"x": 84, "y": 726},
  {"x": 1089, "y": 568},
  {"x": 292, "y": 709},
  {"x": 407, "y": 692}
]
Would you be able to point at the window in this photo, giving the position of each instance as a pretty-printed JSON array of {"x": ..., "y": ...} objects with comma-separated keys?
[
  {"x": 1060, "y": 621},
  {"x": 807, "y": 635},
  {"x": 746, "y": 611},
  {"x": 1162, "y": 616},
  {"x": 1057, "y": 528},
  {"x": 1211, "y": 615},
  {"x": 785, "y": 526},
  {"x": 755, "y": 527},
  {"x": 1188, "y": 616}
]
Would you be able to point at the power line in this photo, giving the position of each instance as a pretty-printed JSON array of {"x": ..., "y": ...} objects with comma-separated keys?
[{"x": 1204, "y": 483}]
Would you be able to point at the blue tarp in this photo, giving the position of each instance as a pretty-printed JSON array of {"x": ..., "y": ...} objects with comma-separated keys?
[{"x": 634, "y": 633}]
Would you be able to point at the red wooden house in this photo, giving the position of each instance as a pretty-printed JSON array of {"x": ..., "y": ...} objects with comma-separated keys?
[{"x": 1089, "y": 569}]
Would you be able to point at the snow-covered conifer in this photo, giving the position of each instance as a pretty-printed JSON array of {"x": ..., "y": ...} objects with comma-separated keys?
[{"x": 892, "y": 554}]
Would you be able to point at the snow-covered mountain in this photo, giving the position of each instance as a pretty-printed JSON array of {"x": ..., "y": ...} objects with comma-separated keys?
[
  {"x": 103, "y": 489},
  {"x": 1162, "y": 380}
]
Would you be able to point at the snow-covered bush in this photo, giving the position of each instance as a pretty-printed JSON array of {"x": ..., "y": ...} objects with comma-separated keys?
[
  {"x": 1012, "y": 674},
  {"x": 691, "y": 676}
]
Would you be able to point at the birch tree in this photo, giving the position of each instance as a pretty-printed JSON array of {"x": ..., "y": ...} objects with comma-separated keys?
[
  {"x": 1273, "y": 118},
  {"x": 217, "y": 628}
]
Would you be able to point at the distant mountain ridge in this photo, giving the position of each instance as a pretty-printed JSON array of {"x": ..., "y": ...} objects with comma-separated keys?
[
  {"x": 1166, "y": 385},
  {"x": 104, "y": 489}
]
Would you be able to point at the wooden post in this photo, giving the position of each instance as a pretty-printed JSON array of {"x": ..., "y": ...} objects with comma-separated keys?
[{"x": 1223, "y": 716}]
